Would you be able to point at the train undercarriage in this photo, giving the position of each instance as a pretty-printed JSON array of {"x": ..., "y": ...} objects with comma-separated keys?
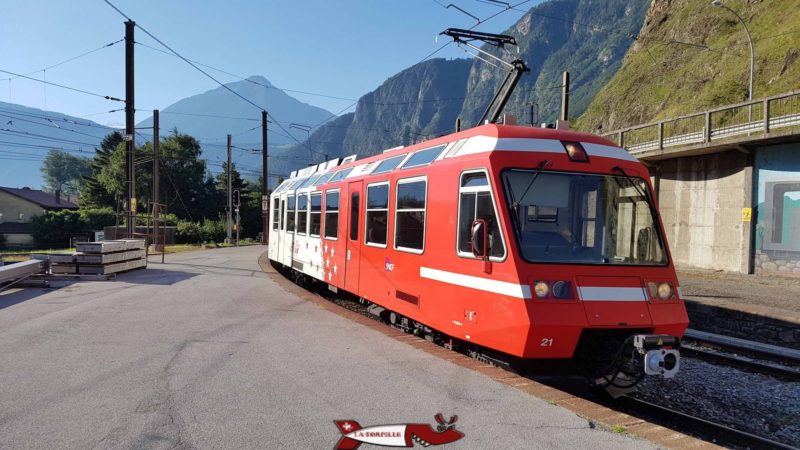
[{"x": 613, "y": 361}]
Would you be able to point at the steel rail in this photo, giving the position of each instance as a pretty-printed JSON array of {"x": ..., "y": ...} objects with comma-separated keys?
[{"x": 719, "y": 433}]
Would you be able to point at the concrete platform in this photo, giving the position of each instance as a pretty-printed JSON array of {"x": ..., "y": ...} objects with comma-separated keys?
[
  {"x": 207, "y": 351},
  {"x": 755, "y": 307}
]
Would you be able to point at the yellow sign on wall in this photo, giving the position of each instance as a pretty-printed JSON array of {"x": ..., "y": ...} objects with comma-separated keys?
[{"x": 747, "y": 214}]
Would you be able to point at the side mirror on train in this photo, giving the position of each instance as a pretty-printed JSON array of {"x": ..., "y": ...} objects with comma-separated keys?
[
  {"x": 479, "y": 238},
  {"x": 480, "y": 242}
]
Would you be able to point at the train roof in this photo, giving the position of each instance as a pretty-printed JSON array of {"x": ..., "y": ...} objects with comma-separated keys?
[{"x": 482, "y": 139}]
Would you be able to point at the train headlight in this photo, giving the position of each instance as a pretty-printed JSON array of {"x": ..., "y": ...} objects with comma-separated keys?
[
  {"x": 664, "y": 291},
  {"x": 661, "y": 291},
  {"x": 561, "y": 290},
  {"x": 541, "y": 288}
]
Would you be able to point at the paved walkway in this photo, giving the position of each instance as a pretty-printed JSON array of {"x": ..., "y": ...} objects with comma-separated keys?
[{"x": 207, "y": 352}]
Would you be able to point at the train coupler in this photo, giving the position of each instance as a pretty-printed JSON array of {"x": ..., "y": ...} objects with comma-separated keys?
[{"x": 659, "y": 353}]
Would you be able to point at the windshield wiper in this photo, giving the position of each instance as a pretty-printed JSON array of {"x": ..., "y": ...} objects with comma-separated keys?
[
  {"x": 639, "y": 190},
  {"x": 514, "y": 203}
]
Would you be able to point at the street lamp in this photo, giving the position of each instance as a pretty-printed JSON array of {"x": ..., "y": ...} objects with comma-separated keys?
[{"x": 749, "y": 40}]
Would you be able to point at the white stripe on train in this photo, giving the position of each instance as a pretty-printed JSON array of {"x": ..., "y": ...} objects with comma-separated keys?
[{"x": 585, "y": 293}]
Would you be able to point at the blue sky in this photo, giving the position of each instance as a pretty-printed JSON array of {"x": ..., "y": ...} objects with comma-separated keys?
[{"x": 343, "y": 48}]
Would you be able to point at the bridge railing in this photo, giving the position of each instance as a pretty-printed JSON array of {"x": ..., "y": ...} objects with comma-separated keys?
[{"x": 757, "y": 117}]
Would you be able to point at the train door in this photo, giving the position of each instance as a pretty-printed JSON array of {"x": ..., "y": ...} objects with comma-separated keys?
[
  {"x": 280, "y": 235},
  {"x": 352, "y": 255}
]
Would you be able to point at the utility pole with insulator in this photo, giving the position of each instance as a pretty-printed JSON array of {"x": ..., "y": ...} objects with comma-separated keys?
[
  {"x": 228, "y": 239},
  {"x": 564, "y": 119},
  {"x": 264, "y": 180},
  {"x": 130, "y": 166}
]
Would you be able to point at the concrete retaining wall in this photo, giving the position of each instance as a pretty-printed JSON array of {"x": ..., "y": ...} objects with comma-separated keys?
[
  {"x": 701, "y": 200},
  {"x": 743, "y": 325}
]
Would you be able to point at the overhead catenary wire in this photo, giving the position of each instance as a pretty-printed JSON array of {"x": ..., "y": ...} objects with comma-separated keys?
[
  {"x": 52, "y": 66},
  {"x": 82, "y": 91}
]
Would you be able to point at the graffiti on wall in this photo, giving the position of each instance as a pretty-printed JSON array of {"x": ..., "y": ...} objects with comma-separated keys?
[{"x": 778, "y": 209}]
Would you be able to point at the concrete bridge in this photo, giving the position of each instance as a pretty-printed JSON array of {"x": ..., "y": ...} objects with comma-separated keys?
[{"x": 728, "y": 183}]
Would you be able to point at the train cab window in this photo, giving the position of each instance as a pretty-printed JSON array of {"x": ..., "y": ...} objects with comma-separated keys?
[
  {"x": 275, "y": 216},
  {"x": 377, "y": 214},
  {"x": 409, "y": 229},
  {"x": 302, "y": 213},
  {"x": 331, "y": 214},
  {"x": 354, "y": 198},
  {"x": 315, "y": 214},
  {"x": 476, "y": 202},
  {"x": 291, "y": 207},
  {"x": 589, "y": 218}
]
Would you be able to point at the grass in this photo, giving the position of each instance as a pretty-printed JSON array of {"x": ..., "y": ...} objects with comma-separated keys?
[
  {"x": 619, "y": 429},
  {"x": 661, "y": 78}
]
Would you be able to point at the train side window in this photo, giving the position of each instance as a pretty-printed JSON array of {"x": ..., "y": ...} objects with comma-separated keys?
[
  {"x": 290, "y": 214},
  {"x": 476, "y": 202},
  {"x": 275, "y": 216},
  {"x": 409, "y": 228},
  {"x": 331, "y": 214},
  {"x": 302, "y": 214},
  {"x": 354, "y": 216},
  {"x": 377, "y": 214},
  {"x": 315, "y": 218}
]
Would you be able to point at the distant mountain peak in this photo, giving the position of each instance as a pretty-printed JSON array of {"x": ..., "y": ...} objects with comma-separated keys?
[{"x": 259, "y": 80}]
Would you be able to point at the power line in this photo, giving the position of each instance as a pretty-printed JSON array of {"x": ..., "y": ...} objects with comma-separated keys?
[
  {"x": 107, "y": 97},
  {"x": 69, "y": 59},
  {"x": 252, "y": 81}
]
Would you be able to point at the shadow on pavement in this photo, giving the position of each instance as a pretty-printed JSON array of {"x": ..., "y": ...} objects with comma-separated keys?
[
  {"x": 159, "y": 277},
  {"x": 15, "y": 296},
  {"x": 204, "y": 267}
]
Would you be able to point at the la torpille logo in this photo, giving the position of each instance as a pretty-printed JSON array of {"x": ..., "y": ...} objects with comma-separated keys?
[{"x": 399, "y": 435}]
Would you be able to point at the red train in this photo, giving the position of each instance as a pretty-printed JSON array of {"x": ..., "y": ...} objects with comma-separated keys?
[{"x": 530, "y": 243}]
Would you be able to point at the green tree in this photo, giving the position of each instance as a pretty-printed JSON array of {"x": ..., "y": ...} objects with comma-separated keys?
[
  {"x": 236, "y": 179},
  {"x": 64, "y": 172},
  {"x": 185, "y": 185},
  {"x": 95, "y": 193}
]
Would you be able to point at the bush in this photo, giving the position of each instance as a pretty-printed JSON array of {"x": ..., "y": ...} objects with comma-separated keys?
[
  {"x": 97, "y": 218},
  {"x": 205, "y": 231},
  {"x": 2, "y": 240},
  {"x": 187, "y": 232},
  {"x": 213, "y": 230},
  {"x": 53, "y": 229}
]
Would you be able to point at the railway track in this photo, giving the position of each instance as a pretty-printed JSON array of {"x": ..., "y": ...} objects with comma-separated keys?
[
  {"x": 701, "y": 428},
  {"x": 696, "y": 426},
  {"x": 778, "y": 362}
]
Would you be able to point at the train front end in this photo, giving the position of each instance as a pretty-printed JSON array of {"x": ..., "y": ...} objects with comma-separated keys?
[{"x": 589, "y": 242}]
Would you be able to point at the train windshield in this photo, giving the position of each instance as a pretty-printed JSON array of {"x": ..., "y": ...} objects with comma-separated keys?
[{"x": 583, "y": 218}]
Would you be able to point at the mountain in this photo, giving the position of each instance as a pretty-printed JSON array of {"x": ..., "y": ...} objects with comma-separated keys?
[
  {"x": 27, "y": 134},
  {"x": 420, "y": 102},
  {"x": 588, "y": 38},
  {"x": 214, "y": 114},
  {"x": 691, "y": 56}
]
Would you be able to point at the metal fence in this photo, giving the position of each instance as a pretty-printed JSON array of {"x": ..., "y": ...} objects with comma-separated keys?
[{"x": 777, "y": 114}]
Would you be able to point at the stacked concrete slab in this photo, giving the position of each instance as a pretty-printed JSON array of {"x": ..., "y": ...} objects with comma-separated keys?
[{"x": 100, "y": 258}]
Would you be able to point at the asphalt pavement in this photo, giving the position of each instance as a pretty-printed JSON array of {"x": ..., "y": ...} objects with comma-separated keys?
[{"x": 206, "y": 351}]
